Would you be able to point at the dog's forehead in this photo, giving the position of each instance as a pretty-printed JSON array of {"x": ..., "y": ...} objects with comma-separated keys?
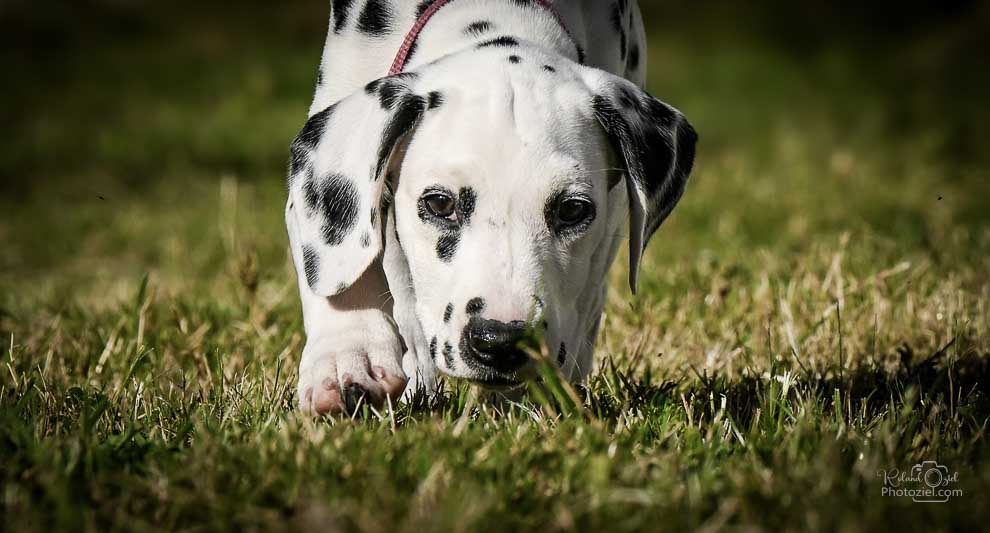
[
  {"x": 514, "y": 111},
  {"x": 520, "y": 86}
]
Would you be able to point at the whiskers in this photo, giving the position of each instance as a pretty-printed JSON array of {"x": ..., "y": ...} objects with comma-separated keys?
[{"x": 606, "y": 169}]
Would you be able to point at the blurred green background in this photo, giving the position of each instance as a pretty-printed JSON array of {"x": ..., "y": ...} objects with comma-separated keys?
[{"x": 122, "y": 118}]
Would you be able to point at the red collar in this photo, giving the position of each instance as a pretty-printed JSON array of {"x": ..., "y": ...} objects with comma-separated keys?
[{"x": 403, "y": 54}]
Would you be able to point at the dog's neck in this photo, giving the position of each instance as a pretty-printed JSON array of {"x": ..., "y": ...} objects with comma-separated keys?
[
  {"x": 352, "y": 57},
  {"x": 464, "y": 23}
]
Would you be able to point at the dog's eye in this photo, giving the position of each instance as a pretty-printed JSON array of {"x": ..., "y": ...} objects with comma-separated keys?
[
  {"x": 439, "y": 205},
  {"x": 573, "y": 212}
]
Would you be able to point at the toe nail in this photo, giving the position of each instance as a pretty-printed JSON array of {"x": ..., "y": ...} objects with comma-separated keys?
[
  {"x": 352, "y": 395},
  {"x": 379, "y": 373}
]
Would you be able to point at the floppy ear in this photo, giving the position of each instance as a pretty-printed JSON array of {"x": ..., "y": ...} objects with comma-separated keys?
[
  {"x": 337, "y": 181},
  {"x": 656, "y": 143}
]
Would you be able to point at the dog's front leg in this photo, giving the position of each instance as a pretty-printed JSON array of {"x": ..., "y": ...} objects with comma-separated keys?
[{"x": 353, "y": 350}]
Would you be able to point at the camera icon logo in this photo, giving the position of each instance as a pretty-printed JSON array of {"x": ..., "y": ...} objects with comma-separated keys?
[
  {"x": 934, "y": 479},
  {"x": 933, "y": 474}
]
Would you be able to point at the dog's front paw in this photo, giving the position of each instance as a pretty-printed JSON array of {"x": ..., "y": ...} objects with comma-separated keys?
[{"x": 339, "y": 374}]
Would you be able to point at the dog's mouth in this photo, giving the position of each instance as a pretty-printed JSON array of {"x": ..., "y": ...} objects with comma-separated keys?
[
  {"x": 498, "y": 382},
  {"x": 493, "y": 378}
]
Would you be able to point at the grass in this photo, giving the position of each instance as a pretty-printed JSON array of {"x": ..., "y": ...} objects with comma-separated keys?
[{"x": 816, "y": 311}]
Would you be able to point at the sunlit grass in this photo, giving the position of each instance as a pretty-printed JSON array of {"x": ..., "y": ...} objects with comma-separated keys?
[{"x": 816, "y": 310}]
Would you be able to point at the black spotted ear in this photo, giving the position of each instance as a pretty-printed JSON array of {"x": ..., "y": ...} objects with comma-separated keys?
[
  {"x": 657, "y": 145},
  {"x": 337, "y": 181}
]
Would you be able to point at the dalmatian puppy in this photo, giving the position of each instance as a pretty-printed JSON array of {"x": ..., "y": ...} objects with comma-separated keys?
[{"x": 444, "y": 219}]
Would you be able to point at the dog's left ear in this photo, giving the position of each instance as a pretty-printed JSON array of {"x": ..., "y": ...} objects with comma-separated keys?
[
  {"x": 655, "y": 142},
  {"x": 339, "y": 188}
]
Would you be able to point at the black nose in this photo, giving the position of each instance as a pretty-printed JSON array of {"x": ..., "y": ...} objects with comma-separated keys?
[{"x": 497, "y": 345}]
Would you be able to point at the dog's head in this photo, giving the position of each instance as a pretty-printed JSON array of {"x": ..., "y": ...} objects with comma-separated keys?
[{"x": 510, "y": 174}]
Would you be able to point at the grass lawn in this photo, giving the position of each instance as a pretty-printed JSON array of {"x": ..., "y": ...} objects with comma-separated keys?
[{"x": 815, "y": 313}]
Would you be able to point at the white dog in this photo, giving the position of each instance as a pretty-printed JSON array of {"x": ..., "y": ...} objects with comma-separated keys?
[{"x": 442, "y": 218}]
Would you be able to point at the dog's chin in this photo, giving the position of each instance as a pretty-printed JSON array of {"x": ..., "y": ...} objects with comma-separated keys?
[
  {"x": 501, "y": 381},
  {"x": 498, "y": 383}
]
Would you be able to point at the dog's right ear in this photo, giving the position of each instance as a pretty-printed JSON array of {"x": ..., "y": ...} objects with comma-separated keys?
[
  {"x": 656, "y": 143},
  {"x": 338, "y": 182}
]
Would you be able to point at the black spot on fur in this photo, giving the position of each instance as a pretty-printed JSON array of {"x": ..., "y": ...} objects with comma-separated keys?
[
  {"x": 374, "y": 217},
  {"x": 617, "y": 16},
  {"x": 448, "y": 355},
  {"x": 632, "y": 61},
  {"x": 389, "y": 92},
  {"x": 409, "y": 109},
  {"x": 306, "y": 141},
  {"x": 336, "y": 200},
  {"x": 659, "y": 114},
  {"x": 479, "y": 28},
  {"x": 376, "y": 18},
  {"x": 687, "y": 139},
  {"x": 372, "y": 87},
  {"x": 580, "y": 54},
  {"x": 562, "y": 355},
  {"x": 447, "y": 313},
  {"x": 310, "y": 194},
  {"x": 447, "y": 245},
  {"x": 311, "y": 264},
  {"x": 514, "y": 59},
  {"x": 618, "y": 27},
  {"x": 311, "y": 133},
  {"x": 549, "y": 69},
  {"x": 504, "y": 41},
  {"x": 340, "y": 9},
  {"x": 319, "y": 77},
  {"x": 433, "y": 349},
  {"x": 365, "y": 240},
  {"x": 412, "y": 50},
  {"x": 467, "y": 199},
  {"x": 628, "y": 99},
  {"x": 422, "y": 7},
  {"x": 297, "y": 161},
  {"x": 435, "y": 100},
  {"x": 392, "y": 89},
  {"x": 475, "y": 306}
]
